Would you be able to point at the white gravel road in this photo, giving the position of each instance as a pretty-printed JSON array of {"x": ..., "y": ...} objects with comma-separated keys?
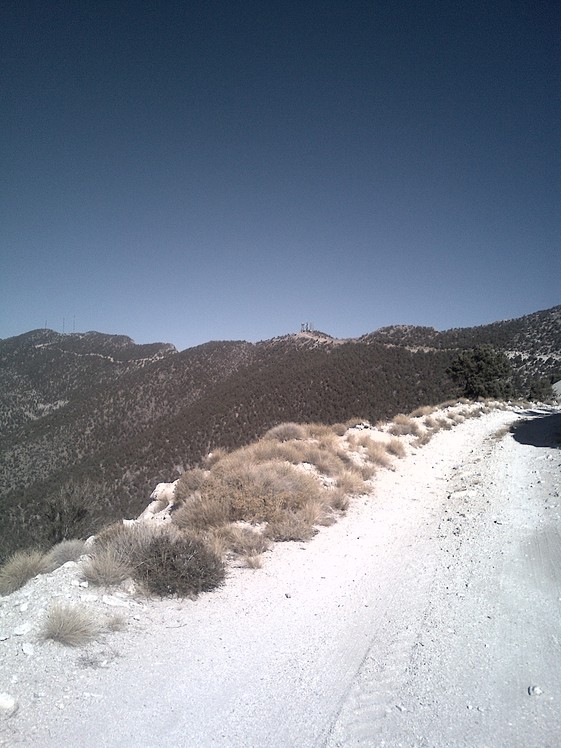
[{"x": 429, "y": 616}]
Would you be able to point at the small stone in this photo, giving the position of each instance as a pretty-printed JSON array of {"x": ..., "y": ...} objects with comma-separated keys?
[
  {"x": 4, "y": 637},
  {"x": 114, "y": 601},
  {"x": 23, "y": 607},
  {"x": 25, "y": 628},
  {"x": 27, "y": 648},
  {"x": 84, "y": 583},
  {"x": 534, "y": 690},
  {"x": 8, "y": 705}
]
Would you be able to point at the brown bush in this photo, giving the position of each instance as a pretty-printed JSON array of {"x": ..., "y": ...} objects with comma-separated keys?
[
  {"x": 209, "y": 507},
  {"x": 190, "y": 482},
  {"x": 423, "y": 411},
  {"x": 395, "y": 447},
  {"x": 339, "y": 429},
  {"x": 339, "y": 500},
  {"x": 403, "y": 425},
  {"x": 243, "y": 540},
  {"x": 291, "y": 526},
  {"x": 181, "y": 565},
  {"x": 350, "y": 482}
]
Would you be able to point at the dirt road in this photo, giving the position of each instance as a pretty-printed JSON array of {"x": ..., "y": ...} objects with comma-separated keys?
[{"x": 429, "y": 616}]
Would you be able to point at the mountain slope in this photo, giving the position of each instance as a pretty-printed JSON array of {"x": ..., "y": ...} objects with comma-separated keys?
[{"x": 99, "y": 411}]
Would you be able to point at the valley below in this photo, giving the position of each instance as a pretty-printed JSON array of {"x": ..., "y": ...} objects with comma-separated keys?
[{"x": 430, "y": 615}]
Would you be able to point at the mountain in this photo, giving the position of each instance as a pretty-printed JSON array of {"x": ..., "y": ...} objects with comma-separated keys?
[{"x": 102, "y": 413}]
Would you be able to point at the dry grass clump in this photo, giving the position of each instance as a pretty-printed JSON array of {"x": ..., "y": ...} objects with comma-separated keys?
[
  {"x": 207, "y": 508},
  {"x": 403, "y": 425},
  {"x": 215, "y": 456},
  {"x": 265, "y": 450},
  {"x": 339, "y": 500},
  {"x": 456, "y": 418},
  {"x": 339, "y": 429},
  {"x": 430, "y": 422},
  {"x": 179, "y": 564},
  {"x": 444, "y": 423},
  {"x": 66, "y": 550},
  {"x": 319, "y": 431},
  {"x": 395, "y": 447},
  {"x": 253, "y": 561},
  {"x": 474, "y": 412},
  {"x": 285, "y": 432},
  {"x": 268, "y": 488},
  {"x": 374, "y": 451},
  {"x": 126, "y": 541},
  {"x": 20, "y": 568},
  {"x": 107, "y": 567},
  {"x": 190, "y": 482},
  {"x": 423, "y": 439},
  {"x": 291, "y": 526},
  {"x": 424, "y": 410},
  {"x": 377, "y": 453},
  {"x": 500, "y": 433},
  {"x": 242, "y": 540},
  {"x": 69, "y": 625},
  {"x": 350, "y": 482},
  {"x": 246, "y": 486}
]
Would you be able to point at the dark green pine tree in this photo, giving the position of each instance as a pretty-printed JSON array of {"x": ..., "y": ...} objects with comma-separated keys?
[{"x": 482, "y": 372}]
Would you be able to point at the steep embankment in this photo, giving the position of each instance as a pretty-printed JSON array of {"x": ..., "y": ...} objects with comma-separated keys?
[{"x": 430, "y": 615}]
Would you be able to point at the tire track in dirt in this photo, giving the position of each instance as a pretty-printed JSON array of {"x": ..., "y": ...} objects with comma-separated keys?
[
  {"x": 375, "y": 695},
  {"x": 465, "y": 673}
]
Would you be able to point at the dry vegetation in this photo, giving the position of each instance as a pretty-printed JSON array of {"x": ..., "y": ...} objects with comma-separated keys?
[
  {"x": 70, "y": 625},
  {"x": 20, "y": 568},
  {"x": 283, "y": 487}
]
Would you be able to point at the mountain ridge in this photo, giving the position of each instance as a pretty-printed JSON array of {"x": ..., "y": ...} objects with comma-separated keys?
[{"x": 95, "y": 408}]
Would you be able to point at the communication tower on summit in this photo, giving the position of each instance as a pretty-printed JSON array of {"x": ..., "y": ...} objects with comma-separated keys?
[{"x": 306, "y": 327}]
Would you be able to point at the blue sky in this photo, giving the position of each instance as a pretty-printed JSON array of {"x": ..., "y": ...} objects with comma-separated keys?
[{"x": 194, "y": 171}]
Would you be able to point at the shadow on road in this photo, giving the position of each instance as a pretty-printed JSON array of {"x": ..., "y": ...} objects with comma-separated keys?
[{"x": 544, "y": 431}]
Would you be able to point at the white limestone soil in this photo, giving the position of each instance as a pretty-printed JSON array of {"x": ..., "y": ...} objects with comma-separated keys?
[{"x": 429, "y": 616}]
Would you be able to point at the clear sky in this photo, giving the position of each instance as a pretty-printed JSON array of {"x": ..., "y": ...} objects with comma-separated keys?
[{"x": 217, "y": 169}]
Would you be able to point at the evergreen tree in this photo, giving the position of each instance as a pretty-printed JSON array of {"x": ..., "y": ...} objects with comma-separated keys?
[{"x": 482, "y": 372}]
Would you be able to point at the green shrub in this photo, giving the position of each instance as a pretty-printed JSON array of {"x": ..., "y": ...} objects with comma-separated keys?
[{"x": 482, "y": 372}]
